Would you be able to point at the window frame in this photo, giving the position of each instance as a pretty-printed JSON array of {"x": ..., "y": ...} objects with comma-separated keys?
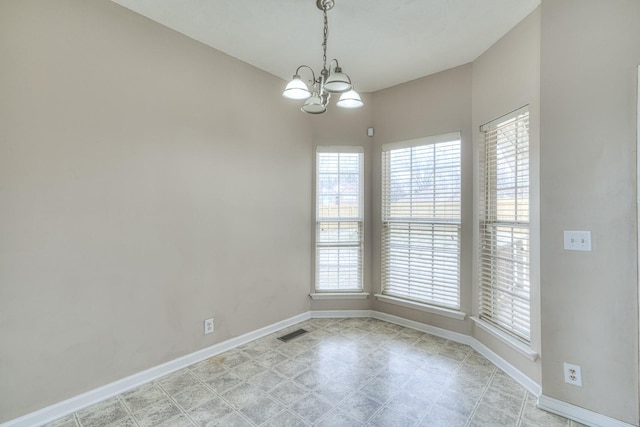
[
  {"x": 450, "y": 300},
  {"x": 499, "y": 301},
  {"x": 319, "y": 220}
]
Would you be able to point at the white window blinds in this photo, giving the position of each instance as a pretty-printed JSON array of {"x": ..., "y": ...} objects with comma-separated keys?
[
  {"x": 421, "y": 220},
  {"x": 504, "y": 224},
  {"x": 339, "y": 203}
]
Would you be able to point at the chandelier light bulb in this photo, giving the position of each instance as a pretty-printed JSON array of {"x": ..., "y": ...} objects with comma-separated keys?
[
  {"x": 296, "y": 89},
  {"x": 350, "y": 99},
  {"x": 338, "y": 82},
  {"x": 314, "y": 105}
]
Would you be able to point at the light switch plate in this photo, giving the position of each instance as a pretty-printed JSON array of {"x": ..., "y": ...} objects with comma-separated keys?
[{"x": 577, "y": 241}]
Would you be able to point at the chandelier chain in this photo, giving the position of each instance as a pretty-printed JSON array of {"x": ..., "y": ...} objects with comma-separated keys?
[{"x": 325, "y": 37}]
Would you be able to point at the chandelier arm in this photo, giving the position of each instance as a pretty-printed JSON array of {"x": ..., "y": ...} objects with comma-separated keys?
[
  {"x": 338, "y": 69},
  {"x": 313, "y": 75},
  {"x": 332, "y": 62}
]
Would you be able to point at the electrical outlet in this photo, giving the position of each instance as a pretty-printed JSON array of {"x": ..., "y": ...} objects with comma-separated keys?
[
  {"x": 208, "y": 326},
  {"x": 572, "y": 374}
]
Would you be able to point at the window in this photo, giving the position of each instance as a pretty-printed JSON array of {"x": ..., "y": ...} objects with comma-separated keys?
[
  {"x": 339, "y": 219},
  {"x": 504, "y": 224},
  {"x": 421, "y": 220}
]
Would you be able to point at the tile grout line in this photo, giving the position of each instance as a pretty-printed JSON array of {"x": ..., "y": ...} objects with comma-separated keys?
[
  {"x": 215, "y": 393},
  {"x": 126, "y": 408},
  {"x": 335, "y": 407},
  {"x": 397, "y": 391},
  {"x": 199, "y": 380},
  {"x": 219, "y": 395},
  {"x": 484, "y": 391},
  {"x": 484, "y": 388},
  {"x": 285, "y": 407},
  {"x": 383, "y": 405},
  {"x": 182, "y": 410},
  {"x": 522, "y": 408},
  {"x": 309, "y": 391}
]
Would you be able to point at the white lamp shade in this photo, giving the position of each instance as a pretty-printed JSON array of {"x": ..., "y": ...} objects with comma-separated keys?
[
  {"x": 314, "y": 105},
  {"x": 296, "y": 89},
  {"x": 350, "y": 99},
  {"x": 338, "y": 82}
]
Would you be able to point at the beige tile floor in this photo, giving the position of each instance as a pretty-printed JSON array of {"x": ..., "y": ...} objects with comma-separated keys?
[{"x": 344, "y": 372}]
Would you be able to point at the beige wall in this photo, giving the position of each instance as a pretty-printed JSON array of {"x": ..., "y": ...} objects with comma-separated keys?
[
  {"x": 433, "y": 105},
  {"x": 590, "y": 54},
  {"x": 505, "y": 78},
  {"x": 147, "y": 182}
]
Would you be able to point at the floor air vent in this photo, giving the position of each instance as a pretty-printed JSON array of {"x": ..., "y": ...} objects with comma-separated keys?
[{"x": 292, "y": 335}]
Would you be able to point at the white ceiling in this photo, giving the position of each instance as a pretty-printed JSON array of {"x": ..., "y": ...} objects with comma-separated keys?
[{"x": 379, "y": 43}]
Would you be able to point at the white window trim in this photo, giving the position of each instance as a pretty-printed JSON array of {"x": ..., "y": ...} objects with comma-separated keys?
[
  {"x": 434, "y": 309},
  {"x": 504, "y": 335},
  {"x": 405, "y": 302},
  {"x": 338, "y": 295},
  {"x": 451, "y": 136},
  {"x": 339, "y": 149},
  {"x": 494, "y": 123}
]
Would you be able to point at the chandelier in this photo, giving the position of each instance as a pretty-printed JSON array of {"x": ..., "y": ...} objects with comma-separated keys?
[{"x": 330, "y": 81}]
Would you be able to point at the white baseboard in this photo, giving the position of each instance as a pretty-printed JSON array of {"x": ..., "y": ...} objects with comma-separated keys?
[
  {"x": 337, "y": 314},
  {"x": 441, "y": 311},
  {"x": 99, "y": 394},
  {"x": 433, "y": 330},
  {"x": 577, "y": 413},
  {"x": 526, "y": 382},
  {"x": 338, "y": 295}
]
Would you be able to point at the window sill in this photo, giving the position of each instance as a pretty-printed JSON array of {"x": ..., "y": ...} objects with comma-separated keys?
[
  {"x": 454, "y": 314},
  {"x": 507, "y": 339},
  {"x": 339, "y": 295}
]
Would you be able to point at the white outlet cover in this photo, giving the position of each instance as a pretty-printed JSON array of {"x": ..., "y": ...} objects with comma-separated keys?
[
  {"x": 572, "y": 374},
  {"x": 208, "y": 326}
]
